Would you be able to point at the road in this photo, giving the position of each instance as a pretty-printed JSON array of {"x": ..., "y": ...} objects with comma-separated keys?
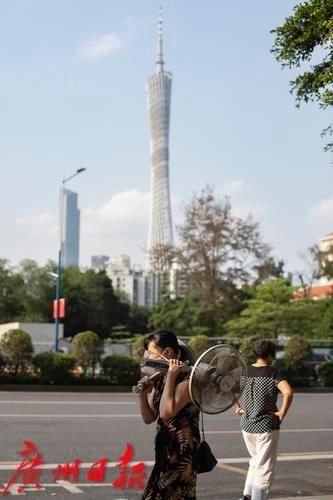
[{"x": 90, "y": 426}]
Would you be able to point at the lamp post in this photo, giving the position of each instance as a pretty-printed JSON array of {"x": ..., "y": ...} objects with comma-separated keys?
[{"x": 58, "y": 273}]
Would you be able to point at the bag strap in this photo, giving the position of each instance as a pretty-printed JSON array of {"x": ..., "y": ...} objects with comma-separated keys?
[{"x": 202, "y": 427}]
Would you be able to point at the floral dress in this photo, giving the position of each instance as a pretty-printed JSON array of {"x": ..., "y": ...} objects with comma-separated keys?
[{"x": 174, "y": 474}]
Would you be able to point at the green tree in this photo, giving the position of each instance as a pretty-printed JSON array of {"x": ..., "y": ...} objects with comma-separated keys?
[
  {"x": 138, "y": 348},
  {"x": 12, "y": 290},
  {"x": 39, "y": 287},
  {"x": 199, "y": 344},
  {"x": 87, "y": 348},
  {"x": 17, "y": 349},
  {"x": 138, "y": 319},
  {"x": 296, "y": 351},
  {"x": 91, "y": 303},
  {"x": 246, "y": 349},
  {"x": 272, "y": 313},
  {"x": 307, "y": 37},
  {"x": 268, "y": 269},
  {"x": 325, "y": 327},
  {"x": 216, "y": 247},
  {"x": 180, "y": 315},
  {"x": 265, "y": 313}
]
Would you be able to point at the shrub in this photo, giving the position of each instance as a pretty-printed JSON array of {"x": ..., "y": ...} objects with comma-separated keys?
[
  {"x": 121, "y": 370},
  {"x": 296, "y": 351},
  {"x": 247, "y": 351},
  {"x": 16, "y": 347},
  {"x": 325, "y": 373},
  {"x": 138, "y": 348},
  {"x": 87, "y": 348},
  {"x": 2, "y": 363},
  {"x": 54, "y": 367},
  {"x": 297, "y": 376},
  {"x": 199, "y": 344}
]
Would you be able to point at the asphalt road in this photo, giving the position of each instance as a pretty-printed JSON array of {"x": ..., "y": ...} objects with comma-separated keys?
[{"x": 87, "y": 426}]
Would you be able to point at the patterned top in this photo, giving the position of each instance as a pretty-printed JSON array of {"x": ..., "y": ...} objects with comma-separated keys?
[
  {"x": 259, "y": 399},
  {"x": 177, "y": 439}
]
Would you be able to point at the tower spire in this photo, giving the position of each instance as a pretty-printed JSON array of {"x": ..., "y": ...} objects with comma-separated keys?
[{"x": 159, "y": 59}]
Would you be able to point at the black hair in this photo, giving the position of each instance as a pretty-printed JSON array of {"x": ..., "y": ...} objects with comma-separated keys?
[
  {"x": 162, "y": 339},
  {"x": 263, "y": 348}
]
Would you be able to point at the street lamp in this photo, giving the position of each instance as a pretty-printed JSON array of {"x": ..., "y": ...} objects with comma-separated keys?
[{"x": 58, "y": 273}]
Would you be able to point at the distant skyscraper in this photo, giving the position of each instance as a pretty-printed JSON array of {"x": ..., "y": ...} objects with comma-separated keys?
[
  {"x": 98, "y": 262},
  {"x": 70, "y": 238},
  {"x": 159, "y": 94}
]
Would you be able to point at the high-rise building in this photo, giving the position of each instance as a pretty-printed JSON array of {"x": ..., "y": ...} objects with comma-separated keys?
[
  {"x": 158, "y": 90},
  {"x": 99, "y": 262},
  {"x": 70, "y": 234}
]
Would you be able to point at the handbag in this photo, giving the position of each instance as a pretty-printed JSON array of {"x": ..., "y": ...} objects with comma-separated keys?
[{"x": 206, "y": 460}]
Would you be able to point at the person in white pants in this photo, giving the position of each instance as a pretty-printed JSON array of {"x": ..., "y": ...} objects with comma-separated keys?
[{"x": 261, "y": 419}]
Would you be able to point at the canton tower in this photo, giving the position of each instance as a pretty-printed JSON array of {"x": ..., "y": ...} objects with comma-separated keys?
[{"x": 158, "y": 90}]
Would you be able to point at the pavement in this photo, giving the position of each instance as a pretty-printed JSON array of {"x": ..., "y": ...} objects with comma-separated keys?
[{"x": 69, "y": 426}]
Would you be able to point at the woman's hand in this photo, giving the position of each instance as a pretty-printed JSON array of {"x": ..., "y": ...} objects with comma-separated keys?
[
  {"x": 147, "y": 385},
  {"x": 175, "y": 366},
  {"x": 240, "y": 411},
  {"x": 279, "y": 414}
]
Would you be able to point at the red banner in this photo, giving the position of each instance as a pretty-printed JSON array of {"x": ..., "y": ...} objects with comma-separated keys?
[{"x": 62, "y": 307}]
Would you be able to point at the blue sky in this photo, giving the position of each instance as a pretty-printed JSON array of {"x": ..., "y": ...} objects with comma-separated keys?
[{"x": 72, "y": 94}]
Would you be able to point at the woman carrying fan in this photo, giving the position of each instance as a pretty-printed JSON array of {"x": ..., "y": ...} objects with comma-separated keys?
[{"x": 168, "y": 402}]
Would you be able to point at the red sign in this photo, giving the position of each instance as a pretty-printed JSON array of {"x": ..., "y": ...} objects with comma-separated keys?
[{"x": 62, "y": 307}]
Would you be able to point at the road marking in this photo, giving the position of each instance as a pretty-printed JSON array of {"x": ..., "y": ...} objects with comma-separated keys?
[
  {"x": 282, "y": 457},
  {"x": 72, "y": 488},
  {"x": 45, "y": 415},
  {"x": 231, "y": 468},
  {"x": 67, "y": 402},
  {"x": 282, "y": 431}
]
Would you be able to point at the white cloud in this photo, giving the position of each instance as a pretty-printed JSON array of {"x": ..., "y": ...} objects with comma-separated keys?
[
  {"x": 243, "y": 210},
  {"x": 101, "y": 46},
  {"x": 128, "y": 207},
  {"x": 118, "y": 226},
  {"x": 232, "y": 187},
  {"x": 39, "y": 223},
  {"x": 322, "y": 213}
]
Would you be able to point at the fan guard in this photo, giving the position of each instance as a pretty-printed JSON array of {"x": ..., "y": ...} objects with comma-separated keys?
[{"x": 217, "y": 379}]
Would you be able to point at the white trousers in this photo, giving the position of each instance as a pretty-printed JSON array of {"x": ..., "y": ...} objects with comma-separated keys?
[{"x": 263, "y": 450}]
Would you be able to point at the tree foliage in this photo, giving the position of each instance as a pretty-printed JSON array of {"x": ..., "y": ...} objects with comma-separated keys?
[
  {"x": 91, "y": 303},
  {"x": 217, "y": 247},
  {"x": 304, "y": 36},
  {"x": 54, "y": 367},
  {"x": 272, "y": 313},
  {"x": 87, "y": 348},
  {"x": 16, "y": 347},
  {"x": 138, "y": 348},
  {"x": 121, "y": 370},
  {"x": 12, "y": 292},
  {"x": 27, "y": 292},
  {"x": 296, "y": 350},
  {"x": 199, "y": 344},
  {"x": 246, "y": 349},
  {"x": 179, "y": 315}
]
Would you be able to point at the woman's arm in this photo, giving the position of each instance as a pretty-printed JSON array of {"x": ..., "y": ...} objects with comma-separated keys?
[
  {"x": 147, "y": 410},
  {"x": 287, "y": 395},
  {"x": 174, "y": 397}
]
